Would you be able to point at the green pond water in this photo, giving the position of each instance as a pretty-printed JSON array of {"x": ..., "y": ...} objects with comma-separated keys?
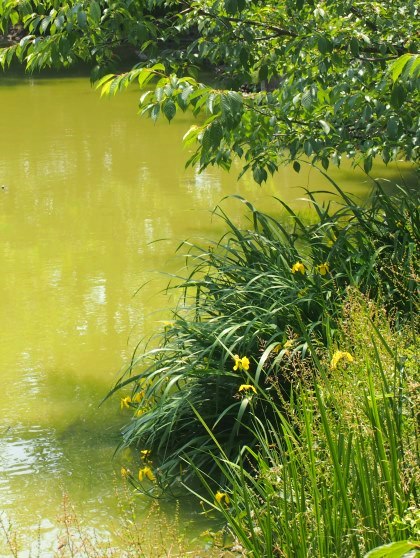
[{"x": 87, "y": 189}]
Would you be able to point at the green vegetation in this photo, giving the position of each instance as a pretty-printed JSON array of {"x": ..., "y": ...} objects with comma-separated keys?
[
  {"x": 334, "y": 471},
  {"x": 286, "y": 381},
  {"x": 268, "y": 295},
  {"x": 300, "y": 79}
]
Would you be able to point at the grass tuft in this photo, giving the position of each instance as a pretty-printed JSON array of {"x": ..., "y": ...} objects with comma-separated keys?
[{"x": 273, "y": 294}]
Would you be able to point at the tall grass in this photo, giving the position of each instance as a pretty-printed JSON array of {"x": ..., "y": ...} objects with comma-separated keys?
[
  {"x": 335, "y": 472},
  {"x": 272, "y": 294}
]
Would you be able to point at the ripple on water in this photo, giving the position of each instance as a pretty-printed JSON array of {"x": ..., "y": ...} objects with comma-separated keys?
[{"x": 28, "y": 451}]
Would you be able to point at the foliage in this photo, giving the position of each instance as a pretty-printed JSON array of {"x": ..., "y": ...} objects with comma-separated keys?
[
  {"x": 337, "y": 474},
  {"x": 302, "y": 79},
  {"x": 399, "y": 549},
  {"x": 252, "y": 305}
]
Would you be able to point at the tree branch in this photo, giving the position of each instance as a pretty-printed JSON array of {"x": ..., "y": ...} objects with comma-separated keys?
[{"x": 278, "y": 31}]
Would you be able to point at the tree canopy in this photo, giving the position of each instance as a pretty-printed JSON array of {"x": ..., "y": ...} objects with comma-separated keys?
[{"x": 295, "y": 79}]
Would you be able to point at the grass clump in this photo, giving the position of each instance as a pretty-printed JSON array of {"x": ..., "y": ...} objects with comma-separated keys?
[
  {"x": 255, "y": 310},
  {"x": 335, "y": 471}
]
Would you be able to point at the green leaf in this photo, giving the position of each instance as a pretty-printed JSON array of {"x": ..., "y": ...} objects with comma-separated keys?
[
  {"x": 392, "y": 128},
  {"x": 395, "y": 550},
  {"x": 231, "y": 6},
  {"x": 169, "y": 109},
  {"x": 58, "y": 22},
  {"x": 191, "y": 135},
  {"x": 216, "y": 134},
  {"x": 367, "y": 164},
  {"x": 398, "y": 96},
  {"x": 259, "y": 173},
  {"x": 398, "y": 66},
  {"x": 322, "y": 45},
  {"x": 306, "y": 99},
  {"x": 307, "y": 148},
  {"x": 412, "y": 68},
  {"x": 354, "y": 46},
  {"x": 296, "y": 166},
  {"x": 95, "y": 11},
  {"x": 44, "y": 24},
  {"x": 232, "y": 107},
  {"x": 154, "y": 113},
  {"x": 325, "y": 126},
  {"x": 82, "y": 19},
  {"x": 147, "y": 74}
]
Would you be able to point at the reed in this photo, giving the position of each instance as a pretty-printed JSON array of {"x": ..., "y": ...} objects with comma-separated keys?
[{"x": 335, "y": 472}]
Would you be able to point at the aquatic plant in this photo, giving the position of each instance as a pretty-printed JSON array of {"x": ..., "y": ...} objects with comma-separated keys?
[{"x": 253, "y": 307}]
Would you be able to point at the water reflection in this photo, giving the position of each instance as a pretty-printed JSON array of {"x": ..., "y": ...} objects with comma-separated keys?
[
  {"x": 87, "y": 199},
  {"x": 35, "y": 453}
]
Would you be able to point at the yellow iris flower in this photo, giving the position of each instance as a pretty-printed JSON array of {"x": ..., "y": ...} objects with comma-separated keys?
[
  {"x": 298, "y": 267},
  {"x": 323, "y": 268},
  {"x": 220, "y": 496},
  {"x": 125, "y": 402},
  {"x": 145, "y": 453},
  {"x": 247, "y": 387},
  {"x": 138, "y": 397},
  {"x": 241, "y": 363},
  {"x": 146, "y": 472},
  {"x": 338, "y": 356}
]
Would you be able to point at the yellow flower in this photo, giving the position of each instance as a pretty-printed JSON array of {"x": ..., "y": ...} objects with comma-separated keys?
[
  {"x": 145, "y": 453},
  {"x": 247, "y": 387},
  {"x": 241, "y": 363},
  {"x": 331, "y": 240},
  {"x": 138, "y": 397},
  {"x": 298, "y": 267},
  {"x": 125, "y": 402},
  {"x": 146, "y": 472},
  {"x": 125, "y": 472},
  {"x": 323, "y": 268},
  {"x": 220, "y": 496},
  {"x": 340, "y": 355}
]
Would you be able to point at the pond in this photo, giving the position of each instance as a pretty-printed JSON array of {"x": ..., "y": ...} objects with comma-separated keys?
[{"x": 93, "y": 202}]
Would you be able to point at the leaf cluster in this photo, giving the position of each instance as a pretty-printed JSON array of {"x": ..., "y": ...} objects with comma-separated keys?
[{"x": 297, "y": 79}]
